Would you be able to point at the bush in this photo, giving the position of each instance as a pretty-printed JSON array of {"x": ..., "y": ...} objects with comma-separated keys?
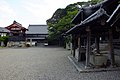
[{"x": 4, "y": 39}]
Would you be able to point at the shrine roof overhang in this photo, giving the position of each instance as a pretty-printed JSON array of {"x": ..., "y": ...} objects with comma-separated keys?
[
  {"x": 108, "y": 5},
  {"x": 115, "y": 17},
  {"x": 84, "y": 13},
  {"x": 90, "y": 21}
]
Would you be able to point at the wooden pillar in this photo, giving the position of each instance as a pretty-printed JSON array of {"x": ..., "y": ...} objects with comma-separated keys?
[
  {"x": 71, "y": 44},
  {"x": 111, "y": 49},
  {"x": 79, "y": 46},
  {"x": 88, "y": 49},
  {"x": 97, "y": 40},
  {"x": 74, "y": 43}
]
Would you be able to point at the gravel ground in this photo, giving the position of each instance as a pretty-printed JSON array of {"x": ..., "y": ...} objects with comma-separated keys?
[{"x": 44, "y": 64}]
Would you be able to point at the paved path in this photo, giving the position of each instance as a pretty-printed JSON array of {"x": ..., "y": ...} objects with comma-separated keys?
[{"x": 44, "y": 64}]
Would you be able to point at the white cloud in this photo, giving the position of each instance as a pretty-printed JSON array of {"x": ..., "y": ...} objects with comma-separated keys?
[
  {"x": 5, "y": 8},
  {"x": 6, "y": 12},
  {"x": 41, "y": 10},
  {"x": 30, "y": 11},
  {"x": 35, "y": 9}
]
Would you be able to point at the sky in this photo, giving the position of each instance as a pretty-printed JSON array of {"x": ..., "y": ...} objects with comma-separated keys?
[{"x": 30, "y": 11}]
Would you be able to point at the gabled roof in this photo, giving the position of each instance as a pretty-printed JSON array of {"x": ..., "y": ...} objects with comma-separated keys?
[
  {"x": 84, "y": 13},
  {"x": 15, "y": 25},
  {"x": 115, "y": 16},
  {"x": 37, "y": 29}
]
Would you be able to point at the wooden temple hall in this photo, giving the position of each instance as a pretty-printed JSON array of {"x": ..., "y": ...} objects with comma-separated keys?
[
  {"x": 96, "y": 34},
  {"x": 17, "y": 35}
]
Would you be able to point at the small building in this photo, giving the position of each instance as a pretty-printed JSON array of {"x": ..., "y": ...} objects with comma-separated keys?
[
  {"x": 95, "y": 25},
  {"x": 37, "y": 34},
  {"x": 3, "y": 32},
  {"x": 17, "y": 34}
]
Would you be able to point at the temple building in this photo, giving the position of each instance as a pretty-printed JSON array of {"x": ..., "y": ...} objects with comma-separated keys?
[
  {"x": 37, "y": 35},
  {"x": 17, "y": 36}
]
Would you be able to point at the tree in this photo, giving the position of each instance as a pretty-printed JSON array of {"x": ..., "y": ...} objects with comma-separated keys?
[
  {"x": 95, "y": 1},
  {"x": 60, "y": 22},
  {"x": 4, "y": 39}
]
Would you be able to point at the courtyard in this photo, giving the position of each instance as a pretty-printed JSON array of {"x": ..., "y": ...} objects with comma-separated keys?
[{"x": 44, "y": 63}]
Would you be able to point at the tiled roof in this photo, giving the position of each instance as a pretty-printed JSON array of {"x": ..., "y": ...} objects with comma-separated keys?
[
  {"x": 87, "y": 11},
  {"x": 16, "y": 25},
  {"x": 4, "y": 30},
  {"x": 93, "y": 17},
  {"x": 37, "y": 29},
  {"x": 104, "y": 8}
]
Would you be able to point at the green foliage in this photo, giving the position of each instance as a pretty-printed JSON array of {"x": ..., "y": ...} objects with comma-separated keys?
[
  {"x": 60, "y": 22},
  {"x": 4, "y": 39},
  {"x": 68, "y": 39},
  {"x": 95, "y": 1},
  {"x": 119, "y": 2},
  {"x": 1, "y": 39}
]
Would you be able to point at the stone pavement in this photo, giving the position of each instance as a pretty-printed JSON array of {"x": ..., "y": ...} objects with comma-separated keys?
[{"x": 44, "y": 64}]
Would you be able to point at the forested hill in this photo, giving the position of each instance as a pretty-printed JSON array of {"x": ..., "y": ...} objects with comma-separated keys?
[
  {"x": 60, "y": 21},
  {"x": 60, "y": 13}
]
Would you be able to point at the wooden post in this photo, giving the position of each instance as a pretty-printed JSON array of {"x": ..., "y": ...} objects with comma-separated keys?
[
  {"x": 71, "y": 44},
  {"x": 74, "y": 44},
  {"x": 111, "y": 49},
  {"x": 88, "y": 49},
  {"x": 97, "y": 40},
  {"x": 79, "y": 46}
]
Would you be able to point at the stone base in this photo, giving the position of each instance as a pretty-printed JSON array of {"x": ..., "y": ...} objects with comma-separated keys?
[
  {"x": 98, "y": 60},
  {"x": 16, "y": 44}
]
